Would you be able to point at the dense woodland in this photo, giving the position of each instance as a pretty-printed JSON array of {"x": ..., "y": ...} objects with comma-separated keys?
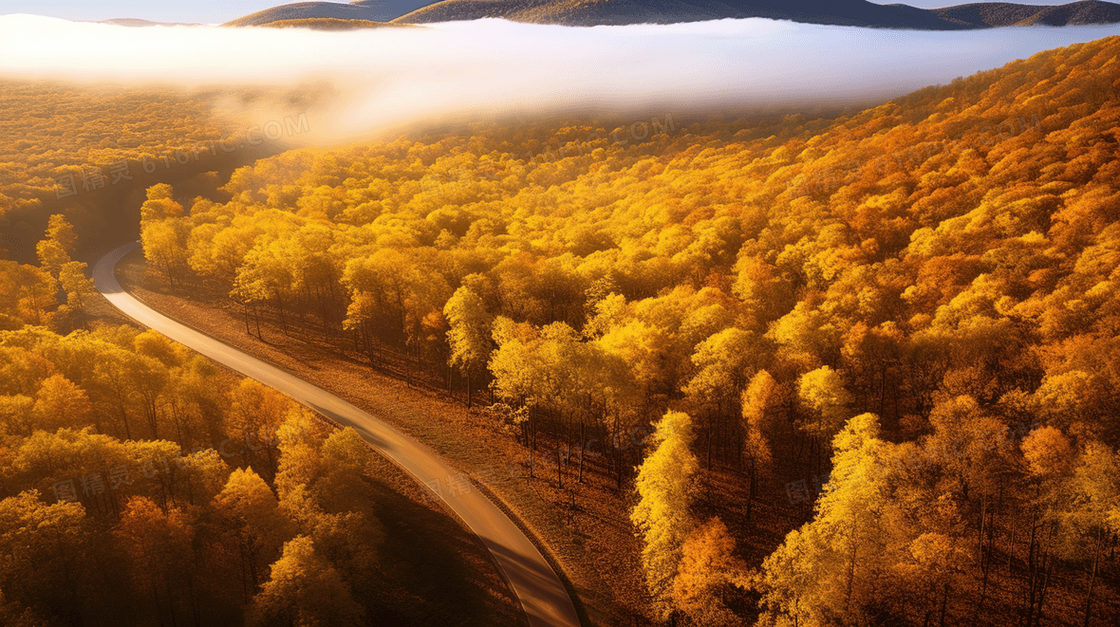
[
  {"x": 57, "y": 130},
  {"x": 91, "y": 152},
  {"x": 139, "y": 485},
  {"x": 918, "y": 301}
]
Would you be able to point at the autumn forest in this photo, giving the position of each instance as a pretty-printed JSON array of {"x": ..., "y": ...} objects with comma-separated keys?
[{"x": 858, "y": 369}]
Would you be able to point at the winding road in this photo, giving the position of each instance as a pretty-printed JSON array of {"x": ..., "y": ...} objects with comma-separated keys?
[{"x": 543, "y": 597}]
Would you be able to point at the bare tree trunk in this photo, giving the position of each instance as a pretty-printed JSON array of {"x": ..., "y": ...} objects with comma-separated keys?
[
  {"x": 170, "y": 601},
  {"x": 944, "y": 604},
  {"x": 618, "y": 454},
  {"x": 851, "y": 577},
  {"x": 1093, "y": 577},
  {"x": 582, "y": 447},
  {"x": 753, "y": 489},
  {"x": 710, "y": 420},
  {"x": 1032, "y": 576}
]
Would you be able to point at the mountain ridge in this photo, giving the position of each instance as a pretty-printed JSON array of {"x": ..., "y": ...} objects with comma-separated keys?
[
  {"x": 848, "y": 13},
  {"x": 998, "y": 14},
  {"x": 622, "y": 12},
  {"x": 366, "y": 10}
]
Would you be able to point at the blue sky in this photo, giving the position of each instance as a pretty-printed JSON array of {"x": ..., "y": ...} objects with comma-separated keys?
[
  {"x": 204, "y": 11},
  {"x": 218, "y": 11}
]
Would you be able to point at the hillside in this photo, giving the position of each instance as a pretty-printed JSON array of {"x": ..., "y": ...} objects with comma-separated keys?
[
  {"x": 329, "y": 24},
  {"x": 847, "y": 13},
  {"x": 902, "y": 323},
  {"x": 996, "y": 14},
  {"x": 599, "y": 12},
  {"x": 367, "y": 10}
]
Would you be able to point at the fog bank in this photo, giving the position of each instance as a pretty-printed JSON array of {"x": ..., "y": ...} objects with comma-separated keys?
[{"x": 371, "y": 80}]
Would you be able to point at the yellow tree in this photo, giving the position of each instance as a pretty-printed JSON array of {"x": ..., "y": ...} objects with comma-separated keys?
[
  {"x": 665, "y": 487},
  {"x": 722, "y": 363},
  {"x": 708, "y": 567},
  {"x": 1092, "y": 514},
  {"x": 33, "y": 291},
  {"x": 79, "y": 289},
  {"x": 160, "y": 204},
  {"x": 827, "y": 572},
  {"x": 266, "y": 274},
  {"x": 300, "y": 463},
  {"x": 165, "y": 246},
  {"x": 52, "y": 256},
  {"x": 42, "y": 547},
  {"x": 759, "y": 405},
  {"x": 256, "y": 412},
  {"x": 823, "y": 394},
  {"x": 17, "y": 415},
  {"x": 218, "y": 250},
  {"x": 54, "y": 251},
  {"x": 1049, "y": 457},
  {"x": 928, "y": 569},
  {"x": 322, "y": 492},
  {"x": 148, "y": 378},
  {"x": 306, "y": 590},
  {"x": 158, "y": 545},
  {"x": 60, "y": 403},
  {"x": 343, "y": 516},
  {"x": 60, "y": 230},
  {"x": 469, "y": 335},
  {"x": 518, "y": 370},
  {"x": 252, "y": 514},
  {"x": 971, "y": 449},
  {"x": 163, "y": 233}
]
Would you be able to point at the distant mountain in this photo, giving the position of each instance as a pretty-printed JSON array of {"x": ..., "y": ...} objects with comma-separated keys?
[
  {"x": 845, "y": 12},
  {"x": 597, "y": 12},
  {"x": 326, "y": 23},
  {"x": 989, "y": 14},
  {"x": 600, "y": 12},
  {"x": 369, "y": 10}
]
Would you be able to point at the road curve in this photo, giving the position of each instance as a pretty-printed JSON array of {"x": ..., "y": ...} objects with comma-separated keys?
[{"x": 538, "y": 588}]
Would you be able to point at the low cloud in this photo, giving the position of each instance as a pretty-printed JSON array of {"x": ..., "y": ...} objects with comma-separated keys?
[{"x": 366, "y": 81}]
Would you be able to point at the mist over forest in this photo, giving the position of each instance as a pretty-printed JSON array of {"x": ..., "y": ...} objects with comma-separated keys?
[{"x": 371, "y": 80}]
